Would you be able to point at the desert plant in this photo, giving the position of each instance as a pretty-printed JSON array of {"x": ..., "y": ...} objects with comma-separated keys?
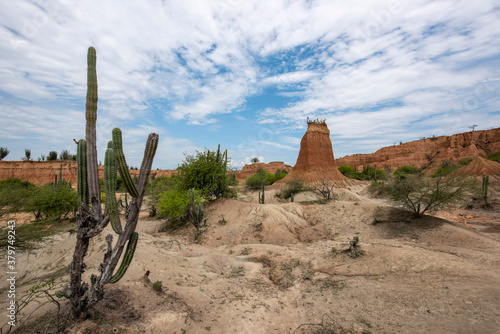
[
  {"x": 157, "y": 286},
  {"x": 3, "y": 152},
  {"x": 197, "y": 214},
  {"x": 354, "y": 250},
  {"x": 91, "y": 220},
  {"x": 254, "y": 160},
  {"x": 206, "y": 171},
  {"x": 292, "y": 187},
  {"x": 27, "y": 155},
  {"x": 326, "y": 189},
  {"x": 65, "y": 155},
  {"x": 255, "y": 181},
  {"x": 421, "y": 194},
  {"x": 52, "y": 156},
  {"x": 261, "y": 197},
  {"x": 51, "y": 201},
  {"x": 445, "y": 169},
  {"x": 484, "y": 188},
  {"x": 403, "y": 171}
]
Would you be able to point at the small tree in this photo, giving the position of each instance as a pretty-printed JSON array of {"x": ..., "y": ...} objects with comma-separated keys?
[
  {"x": 52, "y": 156},
  {"x": 27, "y": 155},
  {"x": 421, "y": 194},
  {"x": 3, "y": 152},
  {"x": 65, "y": 155},
  {"x": 254, "y": 160}
]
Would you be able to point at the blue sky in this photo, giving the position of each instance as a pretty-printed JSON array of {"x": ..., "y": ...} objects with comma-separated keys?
[{"x": 246, "y": 74}]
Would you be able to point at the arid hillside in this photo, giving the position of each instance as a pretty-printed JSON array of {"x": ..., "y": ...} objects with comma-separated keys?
[{"x": 430, "y": 151}]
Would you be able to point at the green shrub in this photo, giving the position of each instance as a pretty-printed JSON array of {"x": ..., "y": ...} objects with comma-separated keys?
[
  {"x": 174, "y": 204},
  {"x": 280, "y": 174},
  {"x": 465, "y": 161},
  {"x": 404, "y": 171},
  {"x": 495, "y": 156},
  {"x": 3, "y": 152},
  {"x": 292, "y": 187},
  {"x": 445, "y": 169},
  {"x": 14, "y": 194},
  {"x": 206, "y": 171},
  {"x": 52, "y": 156},
  {"x": 255, "y": 181},
  {"x": 52, "y": 201}
]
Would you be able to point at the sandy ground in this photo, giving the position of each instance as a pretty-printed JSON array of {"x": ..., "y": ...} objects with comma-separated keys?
[{"x": 270, "y": 268}]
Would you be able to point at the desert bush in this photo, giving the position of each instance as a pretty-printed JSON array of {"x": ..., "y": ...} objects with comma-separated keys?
[
  {"x": 14, "y": 193},
  {"x": 495, "y": 156},
  {"x": 292, "y": 187},
  {"x": 368, "y": 173},
  {"x": 421, "y": 194},
  {"x": 255, "y": 181},
  {"x": 206, "y": 172},
  {"x": 3, "y": 152},
  {"x": 52, "y": 156},
  {"x": 27, "y": 155},
  {"x": 280, "y": 174},
  {"x": 465, "y": 161},
  {"x": 174, "y": 205},
  {"x": 445, "y": 169},
  {"x": 65, "y": 155},
  {"x": 403, "y": 171},
  {"x": 52, "y": 201}
]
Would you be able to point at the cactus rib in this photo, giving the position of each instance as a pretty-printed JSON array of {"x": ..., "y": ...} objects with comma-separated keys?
[
  {"x": 82, "y": 185},
  {"x": 122, "y": 164},
  {"x": 127, "y": 258}
]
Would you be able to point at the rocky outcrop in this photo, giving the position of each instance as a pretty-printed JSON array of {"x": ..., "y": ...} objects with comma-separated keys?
[
  {"x": 430, "y": 151},
  {"x": 479, "y": 167},
  {"x": 316, "y": 162},
  {"x": 250, "y": 169},
  {"x": 41, "y": 172}
]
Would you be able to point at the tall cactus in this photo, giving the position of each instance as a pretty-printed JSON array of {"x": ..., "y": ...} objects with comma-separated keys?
[
  {"x": 91, "y": 219},
  {"x": 484, "y": 189},
  {"x": 261, "y": 197}
]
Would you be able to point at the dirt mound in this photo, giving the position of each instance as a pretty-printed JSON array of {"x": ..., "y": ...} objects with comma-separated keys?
[
  {"x": 429, "y": 151},
  {"x": 316, "y": 161},
  {"x": 251, "y": 169},
  {"x": 479, "y": 167}
]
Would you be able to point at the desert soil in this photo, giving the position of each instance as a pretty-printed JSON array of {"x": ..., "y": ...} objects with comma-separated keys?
[{"x": 274, "y": 267}]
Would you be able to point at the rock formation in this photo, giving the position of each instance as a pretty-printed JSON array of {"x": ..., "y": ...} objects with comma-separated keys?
[
  {"x": 41, "y": 172},
  {"x": 316, "y": 161},
  {"x": 479, "y": 167},
  {"x": 250, "y": 169},
  {"x": 430, "y": 151}
]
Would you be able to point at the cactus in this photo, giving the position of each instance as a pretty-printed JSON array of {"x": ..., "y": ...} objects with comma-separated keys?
[
  {"x": 81, "y": 158},
  {"x": 122, "y": 164},
  {"x": 91, "y": 220},
  {"x": 484, "y": 189},
  {"x": 261, "y": 198},
  {"x": 157, "y": 286},
  {"x": 291, "y": 197},
  {"x": 110, "y": 180},
  {"x": 197, "y": 214},
  {"x": 60, "y": 174}
]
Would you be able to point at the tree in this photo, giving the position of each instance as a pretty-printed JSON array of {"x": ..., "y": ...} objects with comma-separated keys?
[
  {"x": 65, "y": 155},
  {"x": 52, "y": 156},
  {"x": 422, "y": 194},
  {"x": 254, "y": 160},
  {"x": 3, "y": 152},
  {"x": 27, "y": 155}
]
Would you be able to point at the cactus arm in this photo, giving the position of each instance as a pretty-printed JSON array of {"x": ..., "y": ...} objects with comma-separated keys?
[
  {"x": 122, "y": 163},
  {"x": 110, "y": 183},
  {"x": 127, "y": 258},
  {"x": 82, "y": 185},
  {"x": 90, "y": 132}
]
